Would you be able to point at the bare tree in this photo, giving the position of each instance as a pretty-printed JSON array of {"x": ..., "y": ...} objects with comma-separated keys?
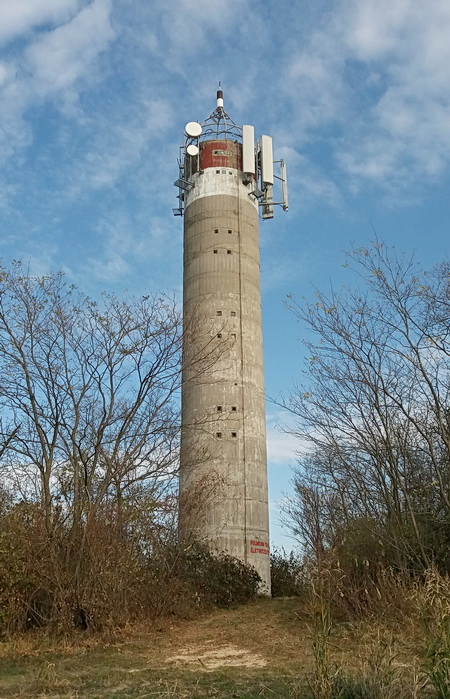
[
  {"x": 90, "y": 393},
  {"x": 89, "y": 449},
  {"x": 374, "y": 406}
]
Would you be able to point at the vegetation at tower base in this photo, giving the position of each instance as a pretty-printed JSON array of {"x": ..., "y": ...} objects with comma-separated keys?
[
  {"x": 287, "y": 573},
  {"x": 372, "y": 493},
  {"x": 89, "y": 442},
  {"x": 217, "y": 578}
]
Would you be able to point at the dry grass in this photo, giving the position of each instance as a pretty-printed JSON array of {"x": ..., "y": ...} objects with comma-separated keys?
[{"x": 260, "y": 650}]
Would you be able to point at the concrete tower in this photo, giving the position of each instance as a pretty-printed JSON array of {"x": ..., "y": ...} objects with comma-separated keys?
[{"x": 223, "y": 181}]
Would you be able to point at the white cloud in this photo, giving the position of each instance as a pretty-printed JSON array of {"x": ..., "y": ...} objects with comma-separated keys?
[
  {"x": 59, "y": 62},
  {"x": 282, "y": 445},
  {"x": 315, "y": 84},
  {"x": 356, "y": 92},
  {"x": 188, "y": 21},
  {"x": 15, "y": 133},
  {"x": 279, "y": 271},
  {"x": 19, "y": 17},
  {"x": 60, "y": 57},
  {"x": 281, "y": 448},
  {"x": 5, "y": 72},
  {"x": 127, "y": 242},
  {"x": 409, "y": 121},
  {"x": 375, "y": 26},
  {"x": 120, "y": 141},
  {"x": 109, "y": 268},
  {"x": 379, "y": 71}
]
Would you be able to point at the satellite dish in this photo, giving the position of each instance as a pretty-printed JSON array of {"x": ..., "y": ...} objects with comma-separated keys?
[
  {"x": 192, "y": 150},
  {"x": 193, "y": 129}
]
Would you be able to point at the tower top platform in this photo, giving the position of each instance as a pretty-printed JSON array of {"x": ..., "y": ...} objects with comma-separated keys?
[
  {"x": 220, "y": 143},
  {"x": 219, "y": 124}
]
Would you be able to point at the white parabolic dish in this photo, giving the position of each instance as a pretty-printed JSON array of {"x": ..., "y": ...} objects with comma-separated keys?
[
  {"x": 192, "y": 150},
  {"x": 193, "y": 129}
]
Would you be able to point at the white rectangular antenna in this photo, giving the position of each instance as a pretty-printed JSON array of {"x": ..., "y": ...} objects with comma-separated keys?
[
  {"x": 284, "y": 187},
  {"x": 248, "y": 149},
  {"x": 266, "y": 160}
]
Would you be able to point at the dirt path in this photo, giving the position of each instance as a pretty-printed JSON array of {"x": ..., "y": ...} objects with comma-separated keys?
[
  {"x": 241, "y": 647},
  {"x": 254, "y": 636},
  {"x": 259, "y": 650}
]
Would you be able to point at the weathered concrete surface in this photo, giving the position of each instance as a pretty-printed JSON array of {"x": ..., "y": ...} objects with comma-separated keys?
[{"x": 223, "y": 482}]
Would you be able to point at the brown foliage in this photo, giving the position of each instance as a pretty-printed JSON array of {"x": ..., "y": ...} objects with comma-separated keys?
[{"x": 120, "y": 578}]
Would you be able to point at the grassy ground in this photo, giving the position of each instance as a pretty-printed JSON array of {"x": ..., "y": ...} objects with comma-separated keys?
[{"x": 260, "y": 650}]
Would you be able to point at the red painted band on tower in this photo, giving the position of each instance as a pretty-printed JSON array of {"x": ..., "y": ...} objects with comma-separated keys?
[{"x": 221, "y": 154}]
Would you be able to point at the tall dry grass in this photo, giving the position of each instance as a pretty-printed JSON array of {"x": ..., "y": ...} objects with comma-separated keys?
[{"x": 403, "y": 627}]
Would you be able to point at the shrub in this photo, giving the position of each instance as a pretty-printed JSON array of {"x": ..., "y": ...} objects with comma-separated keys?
[
  {"x": 101, "y": 576},
  {"x": 217, "y": 578},
  {"x": 286, "y": 574},
  {"x": 43, "y": 584}
]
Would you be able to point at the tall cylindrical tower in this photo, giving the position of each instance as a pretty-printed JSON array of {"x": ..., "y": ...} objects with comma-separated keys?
[{"x": 223, "y": 471}]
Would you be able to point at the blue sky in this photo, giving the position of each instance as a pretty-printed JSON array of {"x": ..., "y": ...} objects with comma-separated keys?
[{"x": 94, "y": 96}]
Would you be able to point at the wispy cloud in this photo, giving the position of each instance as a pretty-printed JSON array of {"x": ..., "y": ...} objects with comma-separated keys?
[
  {"x": 55, "y": 62},
  {"x": 377, "y": 74},
  {"x": 282, "y": 445},
  {"x": 122, "y": 142},
  {"x": 60, "y": 57},
  {"x": 94, "y": 98},
  {"x": 21, "y": 16},
  {"x": 406, "y": 44},
  {"x": 110, "y": 268}
]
